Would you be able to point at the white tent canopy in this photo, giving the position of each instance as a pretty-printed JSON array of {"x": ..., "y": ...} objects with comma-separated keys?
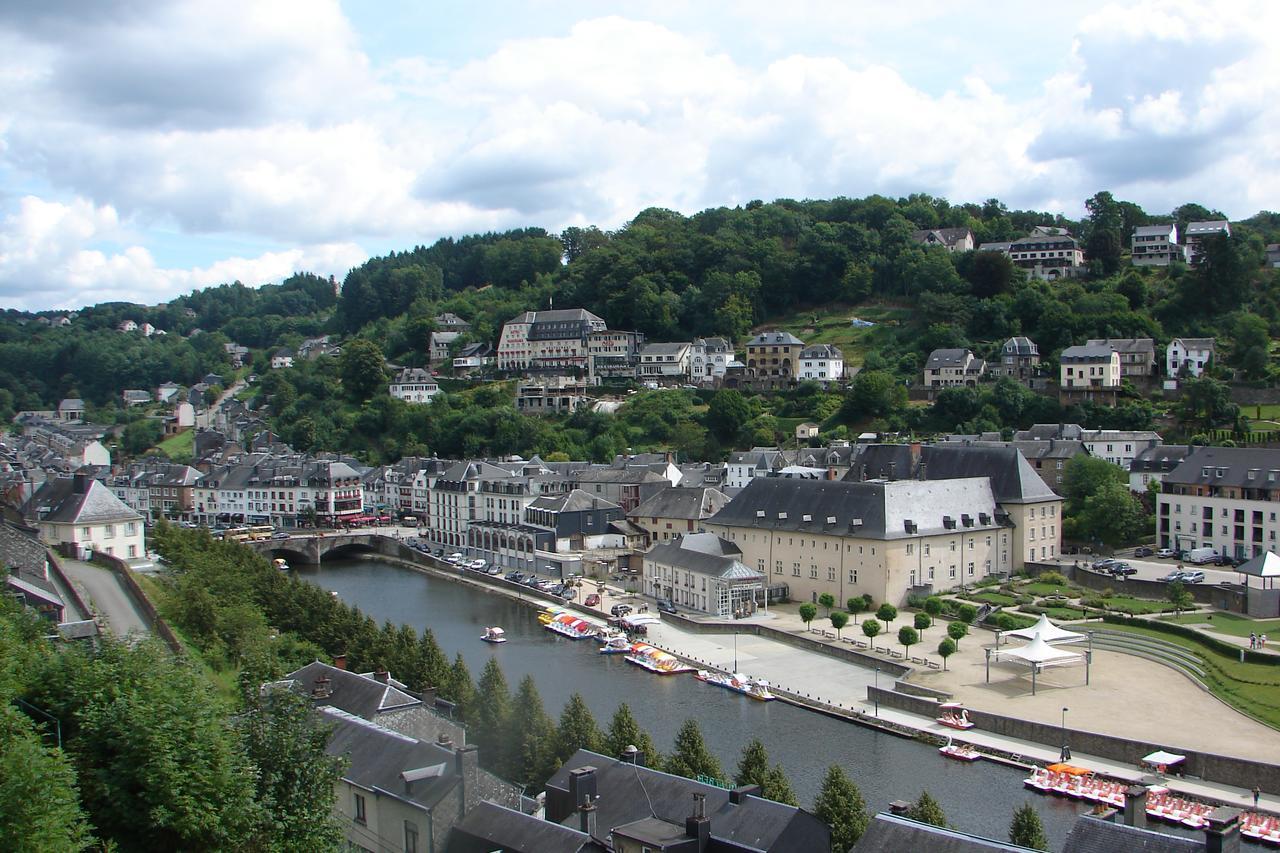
[
  {"x": 1160, "y": 757},
  {"x": 1265, "y": 565},
  {"x": 1039, "y": 652},
  {"x": 1045, "y": 631}
]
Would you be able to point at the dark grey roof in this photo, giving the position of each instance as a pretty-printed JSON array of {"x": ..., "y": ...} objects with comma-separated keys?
[
  {"x": 356, "y": 694},
  {"x": 1244, "y": 467},
  {"x": 754, "y": 824},
  {"x": 704, "y": 553},
  {"x": 563, "y": 315},
  {"x": 65, "y": 505},
  {"x": 1087, "y": 352},
  {"x": 889, "y": 833},
  {"x": 674, "y": 348},
  {"x": 940, "y": 358},
  {"x": 377, "y": 756},
  {"x": 618, "y": 475},
  {"x": 944, "y": 236},
  {"x": 821, "y": 351},
  {"x": 489, "y": 827},
  {"x": 1195, "y": 343},
  {"x": 1135, "y": 345},
  {"x": 779, "y": 338},
  {"x": 1092, "y": 835},
  {"x": 575, "y": 501},
  {"x": 1020, "y": 345},
  {"x": 1013, "y": 480},
  {"x": 1153, "y": 230},
  {"x": 1159, "y": 459},
  {"x": 1208, "y": 227},
  {"x": 682, "y": 502}
]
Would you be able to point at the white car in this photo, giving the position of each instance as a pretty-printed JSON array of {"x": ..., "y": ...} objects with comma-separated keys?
[
  {"x": 476, "y": 564},
  {"x": 1166, "y": 553},
  {"x": 453, "y": 558}
]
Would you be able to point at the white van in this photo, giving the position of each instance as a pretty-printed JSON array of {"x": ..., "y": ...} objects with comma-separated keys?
[{"x": 1200, "y": 556}]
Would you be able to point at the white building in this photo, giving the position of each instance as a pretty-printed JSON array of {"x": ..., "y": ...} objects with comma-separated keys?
[
  {"x": 665, "y": 361},
  {"x": 821, "y": 363},
  {"x": 413, "y": 385},
  {"x": 716, "y": 353},
  {"x": 1225, "y": 498},
  {"x": 1193, "y": 354},
  {"x": 1156, "y": 246},
  {"x": 952, "y": 367},
  {"x": 1118, "y": 446},
  {"x": 1198, "y": 231},
  {"x": 282, "y": 358},
  {"x": 83, "y": 515}
]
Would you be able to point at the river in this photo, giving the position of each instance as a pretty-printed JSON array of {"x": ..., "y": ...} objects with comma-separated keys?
[{"x": 978, "y": 798}]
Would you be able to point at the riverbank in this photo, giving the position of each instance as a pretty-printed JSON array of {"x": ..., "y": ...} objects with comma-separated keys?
[{"x": 805, "y": 676}]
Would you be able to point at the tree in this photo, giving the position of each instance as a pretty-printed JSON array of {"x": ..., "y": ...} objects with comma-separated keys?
[
  {"x": 39, "y": 808},
  {"x": 827, "y": 600},
  {"x": 946, "y": 649},
  {"x": 1026, "y": 829},
  {"x": 361, "y": 368},
  {"x": 753, "y": 766},
  {"x": 624, "y": 731},
  {"x": 807, "y": 613},
  {"x": 874, "y": 394},
  {"x": 926, "y": 810},
  {"x": 1251, "y": 341},
  {"x": 1112, "y": 514},
  {"x": 577, "y": 729},
  {"x": 855, "y": 605},
  {"x": 141, "y": 435},
  {"x": 777, "y": 787},
  {"x": 690, "y": 757},
  {"x": 531, "y": 736},
  {"x": 286, "y": 741},
  {"x": 838, "y": 620},
  {"x": 933, "y": 606},
  {"x": 908, "y": 637},
  {"x": 886, "y": 614},
  {"x": 839, "y": 805},
  {"x": 461, "y": 689},
  {"x": 727, "y": 414},
  {"x": 967, "y": 613},
  {"x": 1179, "y": 597},
  {"x": 489, "y": 723},
  {"x": 922, "y": 621},
  {"x": 1205, "y": 403},
  {"x": 871, "y": 628},
  {"x": 956, "y": 631}
]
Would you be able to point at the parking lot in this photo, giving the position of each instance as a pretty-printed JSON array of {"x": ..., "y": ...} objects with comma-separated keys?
[{"x": 1157, "y": 568}]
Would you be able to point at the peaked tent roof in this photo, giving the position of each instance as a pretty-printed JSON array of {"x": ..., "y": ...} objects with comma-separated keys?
[
  {"x": 1265, "y": 565},
  {"x": 1045, "y": 630},
  {"x": 1038, "y": 651}
]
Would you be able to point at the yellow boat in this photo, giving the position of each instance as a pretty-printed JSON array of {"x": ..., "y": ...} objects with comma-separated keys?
[{"x": 550, "y": 613}]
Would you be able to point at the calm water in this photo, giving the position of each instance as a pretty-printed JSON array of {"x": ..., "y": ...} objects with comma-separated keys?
[{"x": 978, "y": 798}]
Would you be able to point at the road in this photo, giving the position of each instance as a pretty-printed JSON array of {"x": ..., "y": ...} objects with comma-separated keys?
[
  {"x": 205, "y": 418},
  {"x": 1155, "y": 568},
  {"x": 105, "y": 593}
]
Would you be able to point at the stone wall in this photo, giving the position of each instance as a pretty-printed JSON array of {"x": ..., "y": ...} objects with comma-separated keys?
[{"x": 158, "y": 626}]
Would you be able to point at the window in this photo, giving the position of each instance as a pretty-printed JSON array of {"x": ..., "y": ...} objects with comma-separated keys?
[
  {"x": 410, "y": 837},
  {"x": 85, "y": 532},
  {"x": 360, "y": 815}
]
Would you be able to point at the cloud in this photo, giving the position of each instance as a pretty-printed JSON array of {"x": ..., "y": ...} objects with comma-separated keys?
[{"x": 52, "y": 255}]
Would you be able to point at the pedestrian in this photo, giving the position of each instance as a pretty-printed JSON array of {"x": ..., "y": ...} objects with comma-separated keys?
[
  {"x": 1262, "y": 641},
  {"x": 1253, "y": 640},
  {"x": 1257, "y": 792}
]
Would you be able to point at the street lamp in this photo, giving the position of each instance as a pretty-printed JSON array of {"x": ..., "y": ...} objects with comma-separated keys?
[
  {"x": 1066, "y": 750},
  {"x": 876, "y": 695}
]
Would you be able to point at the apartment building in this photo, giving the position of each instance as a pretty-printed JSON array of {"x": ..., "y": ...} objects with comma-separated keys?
[
  {"x": 1088, "y": 372},
  {"x": 1225, "y": 498},
  {"x": 953, "y": 367},
  {"x": 1047, "y": 253},
  {"x": 1156, "y": 246},
  {"x": 552, "y": 341},
  {"x": 1198, "y": 232},
  {"x": 613, "y": 354},
  {"x": 775, "y": 354}
]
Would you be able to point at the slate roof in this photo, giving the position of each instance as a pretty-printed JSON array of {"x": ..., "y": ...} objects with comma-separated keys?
[
  {"x": 1086, "y": 352},
  {"x": 618, "y": 475},
  {"x": 1235, "y": 463},
  {"x": 1126, "y": 345},
  {"x": 1091, "y": 835},
  {"x": 674, "y": 348},
  {"x": 755, "y": 823},
  {"x": 575, "y": 501},
  {"x": 1159, "y": 459},
  {"x": 941, "y": 358},
  {"x": 775, "y": 338},
  {"x": 94, "y": 505},
  {"x": 489, "y": 827},
  {"x": 1195, "y": 343},
  {"x": 1020, "y": 345},
  {"x": 562, "y": 315},
  {"x": 682, "y": 502},
  {"x": 1196, "y": 229},
  {"x": 704, "y": 553},
  {"x": 1153, "y": 230},
  {"x": 351, "y": 692},
  {"x": 377, "y": 756},
  {"x": 948, "y": 237},
  {"x": 1013, "y": 480},
  {"x": 889, "y": 833},
  {"x": 827, "y": 351}
]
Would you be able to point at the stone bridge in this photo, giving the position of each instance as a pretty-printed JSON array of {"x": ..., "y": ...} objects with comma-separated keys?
[{"x": 311, "y": 548}]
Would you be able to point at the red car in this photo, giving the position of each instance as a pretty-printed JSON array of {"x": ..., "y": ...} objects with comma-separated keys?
[{"x": 593, "y": 600}]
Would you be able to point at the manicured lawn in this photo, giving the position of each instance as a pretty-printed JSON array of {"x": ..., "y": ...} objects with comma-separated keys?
[
  {"x": 180, "y": 446},
  {"x": 1230, "y": 623},
  {"x": 994, "y": 598},
  {"x": 1252, "y": 687},
  {"x": 1021, "y": 620},
  {"x": 1064, "y": 613},
  {"x": 1042, "y": 589},
  {"x": 1137, "y": 606}
]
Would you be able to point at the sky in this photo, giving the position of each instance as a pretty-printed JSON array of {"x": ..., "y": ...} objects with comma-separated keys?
[{"x": 149, "y": 147}]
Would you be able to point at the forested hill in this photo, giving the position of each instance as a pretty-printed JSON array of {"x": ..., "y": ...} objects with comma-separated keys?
[{"x": 722, "y": 271}]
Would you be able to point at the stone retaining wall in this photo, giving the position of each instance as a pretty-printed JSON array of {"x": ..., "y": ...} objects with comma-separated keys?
[{"x": 158, "y": 626}]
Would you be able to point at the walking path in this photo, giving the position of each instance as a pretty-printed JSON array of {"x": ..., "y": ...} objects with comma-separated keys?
[{"x": 105, "y": 592}]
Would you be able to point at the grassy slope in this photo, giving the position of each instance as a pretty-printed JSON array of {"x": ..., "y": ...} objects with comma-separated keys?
[
  {"x": 833, "y": 326},
  {"x": 180, "y": 446}
]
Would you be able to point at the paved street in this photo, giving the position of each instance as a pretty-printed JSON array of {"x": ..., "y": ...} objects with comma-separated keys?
[{"x": 104, "y": 592}]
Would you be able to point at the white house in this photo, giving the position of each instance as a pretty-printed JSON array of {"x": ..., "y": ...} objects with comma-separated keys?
[
  {"x": 1191, "y": 354},
  {"x": 952, "y": 367},
  {"x": 413, "y": 385},
  {"x": 84, "y": 515},
  {"x": 1198, "y": 231},
  {"x": 716, "y": 355},
  {"x": 822, "y": 363},
  {"x": 1156, "y": 245},
  {"x": 282, "y": 358},
  {"x": 670, "y": 361}
]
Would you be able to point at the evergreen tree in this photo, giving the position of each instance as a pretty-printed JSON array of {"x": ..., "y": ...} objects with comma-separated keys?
[
  {"x": 753, "y": 766},
  {"x": 577, "y": 730},
  {"x": 926, "y": 810},
  {"x": 624, "y": 731},
  {"x": 39, "y": 808},
  {"x": 531, "y": 735},
  {"x": 691, "y": 758},
  {"x": 777, "y": 787},
  {"x": 839, "y": 805},
  {"x": 1026, "y": 829},
  {"x": 462, "y": 690},
  {"x": 491, "y": 717},
  {"x": 433, "y": 665}
]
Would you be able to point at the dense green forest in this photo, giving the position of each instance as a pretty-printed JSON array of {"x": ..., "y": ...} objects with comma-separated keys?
[{"x": 722, "y": 271}]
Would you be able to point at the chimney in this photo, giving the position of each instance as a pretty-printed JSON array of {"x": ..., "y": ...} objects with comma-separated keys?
[
  {"x": 899, "y": 807},
  {"x": 698, "y": 825},
  {"x": 1135, "y": 806},
  {"x": 915, "y": 451},
  {"x": 739, "y": 794},
  {"x": 444, "y": 741},
  {"x": 340, "y": 662},
  {"x": 587, "y": 816},
  {"x": 892, "y": 468},
  {"x": 467, "y": 761},
  {"x": 630, "y": 755},
  {"x": 321, "y": 690},
  {"x": 382, "y": 676},
  {"x": 80, "y": 484},
  {"x": 1222, "y": 835},
  {"x": 831, "y": 474},
  {"x": 582, "y": 784}
]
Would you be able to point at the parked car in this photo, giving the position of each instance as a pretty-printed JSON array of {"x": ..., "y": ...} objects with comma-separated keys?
[
  {"x": 568, "y": 593},
  {"x": 1142, "y": 551},
  {"x": 593, "y": 600},
  {"x": 1194, "y": 576},
  {"x": 1121, "y": 570},
  {"x": 478, "y": 565},
  {"x": 515, "y": 577},
  {"x": 1104, "y": 564},
  {"x": 1175, "y": 575},
  {"x": 1166, "y": 553},
  {"x": 666, "y": 606},
  {"x": 453, "y": 558},
  {"x": 620, "y": 609},
  {"x": 279, "y": 534}
]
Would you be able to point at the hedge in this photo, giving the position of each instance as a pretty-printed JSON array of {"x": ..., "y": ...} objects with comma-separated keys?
[{"x": 1220, "y": 646}]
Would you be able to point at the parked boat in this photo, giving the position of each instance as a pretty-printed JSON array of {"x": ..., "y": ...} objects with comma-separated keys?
[
  {"x": 954, "y": 715},
  {"x": 959, "y": 751},
  {"x": 549, "y": 613},
  {"x": 655, "y": 660},
  {"x": 494, "y": 635},
  {"x": 573, "y": 627},
  {"x": 739, "y": 683},
  {"x": 280, "y": 564},
  {"x": 616, "y": 645}
]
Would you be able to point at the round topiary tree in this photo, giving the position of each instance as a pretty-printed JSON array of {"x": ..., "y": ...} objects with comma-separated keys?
[
  {"x": 922, "y": 621},
  {"x": 838, "y": 620},
  {"x": 807, "y": 613},
  {"x": 886, "y": 614},
  {"x": 957, "y": 630},
  {"x": 946, "y": 649},
  {"x": 908, "y": 637},
  {"x": 871, "y": 628}
]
